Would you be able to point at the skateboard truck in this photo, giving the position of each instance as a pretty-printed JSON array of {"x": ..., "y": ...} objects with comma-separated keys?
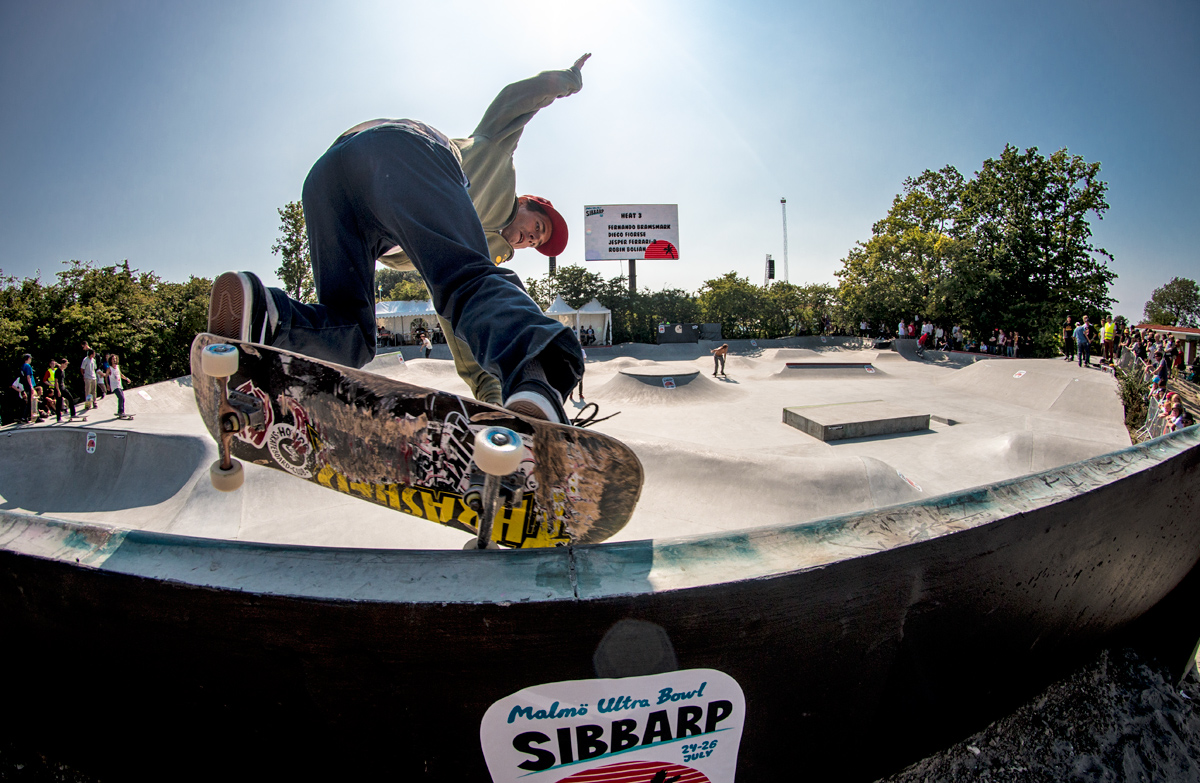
[
  {"x": 498, "y": 453},
  {"x": 235, "y": 412}
]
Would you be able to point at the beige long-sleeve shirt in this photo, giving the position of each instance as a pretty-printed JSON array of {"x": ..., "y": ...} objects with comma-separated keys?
[{"x": 487, "y": 155}]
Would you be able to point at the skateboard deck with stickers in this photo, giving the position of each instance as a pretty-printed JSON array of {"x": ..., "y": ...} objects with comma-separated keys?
[{"x": 406, "y": 447}]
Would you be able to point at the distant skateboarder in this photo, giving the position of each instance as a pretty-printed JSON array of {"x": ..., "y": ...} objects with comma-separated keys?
[{"x": 719, "y": 359}]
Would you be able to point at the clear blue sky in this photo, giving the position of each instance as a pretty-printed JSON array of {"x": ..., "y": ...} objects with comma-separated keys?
[{"x": 169, "y": 133}]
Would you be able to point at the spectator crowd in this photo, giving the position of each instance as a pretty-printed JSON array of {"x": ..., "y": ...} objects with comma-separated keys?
[
  {"x": 62, "y": 388},
  {"x": 1159, "y": 358}
]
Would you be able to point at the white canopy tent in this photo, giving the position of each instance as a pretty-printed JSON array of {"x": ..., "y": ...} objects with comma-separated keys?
[
  {"x": 593, "y": 314},
  {"x": 597, "y": 317},
  {"x": 401, "y": 318},
  {"x": 563, "y": 313}
]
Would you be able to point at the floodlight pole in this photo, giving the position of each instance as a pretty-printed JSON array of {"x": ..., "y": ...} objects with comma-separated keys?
[{"x": 783, "y": 204}]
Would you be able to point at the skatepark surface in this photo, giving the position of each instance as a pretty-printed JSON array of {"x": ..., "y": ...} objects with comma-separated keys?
[
  {"x": 912, "y": 585},
  {"x": 718, "y": 456}
]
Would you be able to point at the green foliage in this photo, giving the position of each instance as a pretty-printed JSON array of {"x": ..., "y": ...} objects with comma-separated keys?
[
  {"x": 1175, "y": 304},
  {"x": 393, "y": 285},
  {"x": 735, "y": 303},
  {"x": 742, "y": 309},
  {"x": 1009, "y": 249},
  {"x": 295, "y": 268},
  {"x": 1030, "y": 258},
  {"x": 146, "y": 320},
  {"x": 1134, "y": 390},
  {"x": 407, "y": 291},
  {"x": 576, "y": 285}
]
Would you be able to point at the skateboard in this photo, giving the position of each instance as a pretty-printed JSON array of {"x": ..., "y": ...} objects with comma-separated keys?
[{"x": 508, "y": 480}]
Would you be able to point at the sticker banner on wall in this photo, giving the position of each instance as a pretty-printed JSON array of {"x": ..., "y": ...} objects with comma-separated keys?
[{"x": 682, "y": 726}]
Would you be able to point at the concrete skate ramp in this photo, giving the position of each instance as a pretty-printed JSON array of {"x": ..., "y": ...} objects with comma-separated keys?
[
  {"x": 130, "y": 479},
  {"x": 769, "y": 488},
  {"x": 653, "y": 373},
  {"x": 858, "y": 640},
  {"x": 649, "y": 390},
  {"x": 1030, "y": 384},
  {"x": 171, "y": 398},
  {"x": 1030, "y": 452},
  {"x": 907, "y": 349}
]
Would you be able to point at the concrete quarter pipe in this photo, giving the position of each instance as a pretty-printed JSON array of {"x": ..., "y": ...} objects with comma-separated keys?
[{"x": 851, "y": 636}]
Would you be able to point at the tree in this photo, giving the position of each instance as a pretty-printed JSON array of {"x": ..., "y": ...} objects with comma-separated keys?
[
  {"x": 149, "y": 322},
  {"x": 1029, "y": 259},
  {"x": 295, "y": 269},
  {"x": 399, "y": 286},
  {"x": 1175, "y": 304},
  {"x": 1009, "y": 249},
  {"x": 575, "y": 284},
  {"x": 406, "y": 290},
  {"x": 734, "y": 303},
  {"x": 904, "y": 269}
]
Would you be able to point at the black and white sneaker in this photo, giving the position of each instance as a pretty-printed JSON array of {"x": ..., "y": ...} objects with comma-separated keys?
[
  {"x": 241, "y": 308},
  {"x": 536, "y": 399}
]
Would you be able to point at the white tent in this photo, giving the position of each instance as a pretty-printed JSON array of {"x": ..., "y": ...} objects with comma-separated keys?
[
  {"x": 563, "y": 313},
  {"x": 599, "y": 318},
  {"x": 401, "y": 318}
]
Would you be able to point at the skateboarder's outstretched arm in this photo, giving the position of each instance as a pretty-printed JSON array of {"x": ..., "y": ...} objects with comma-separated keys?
[{"x": 516, "y": 104}]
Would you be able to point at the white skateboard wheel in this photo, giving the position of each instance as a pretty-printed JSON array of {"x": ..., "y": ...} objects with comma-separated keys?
[
  {"x": 498, "y": 450},
  {"x": 226, "y": 480},
  {"x": 219, "y": 360}
]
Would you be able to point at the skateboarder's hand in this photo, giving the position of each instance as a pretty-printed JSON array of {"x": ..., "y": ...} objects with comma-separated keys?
[{"x": 579, "y": 63}]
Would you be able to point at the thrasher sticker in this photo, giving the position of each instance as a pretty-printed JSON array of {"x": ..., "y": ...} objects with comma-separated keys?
[{"x": 683, "y": 726}]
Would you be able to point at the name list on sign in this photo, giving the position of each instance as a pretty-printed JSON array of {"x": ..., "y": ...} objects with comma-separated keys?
[{"x": 633, "y": 235}]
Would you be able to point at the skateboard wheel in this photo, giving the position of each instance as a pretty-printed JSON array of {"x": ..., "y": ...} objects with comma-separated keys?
[
  {"x": 498, "y": 450},
  {"x": 219, "y": 360},
  {"x": 226, "y": 480},
  {"x": 473, "y": 545}
]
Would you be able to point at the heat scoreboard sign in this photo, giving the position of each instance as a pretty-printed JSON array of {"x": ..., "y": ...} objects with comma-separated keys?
[{"x": 626, "y": 231}]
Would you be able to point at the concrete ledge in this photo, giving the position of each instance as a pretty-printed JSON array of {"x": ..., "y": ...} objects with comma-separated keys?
[{"x": 854, "y": 420}]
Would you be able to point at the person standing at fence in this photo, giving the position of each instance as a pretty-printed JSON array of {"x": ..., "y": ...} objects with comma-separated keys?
[
  {"x": 115, "y": 385},
  {"x": 1068, "y": 340},
  {"x": 88, "y": 368},
  {"x": 64, "y": 395},
  {"x": 1082, "y": 345},
  {"x": 27, "y": 385},
  {"x": 1108, "y": 333}
]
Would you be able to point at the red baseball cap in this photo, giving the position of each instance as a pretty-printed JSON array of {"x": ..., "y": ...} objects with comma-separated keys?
[{"x": 558, "y": 229}]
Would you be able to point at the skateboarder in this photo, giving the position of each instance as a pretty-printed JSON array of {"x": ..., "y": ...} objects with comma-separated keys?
[
  {"x": 719, "y": 358},
  {"x": 391, "y": 184},
  {"x": 487, "y": 160}
]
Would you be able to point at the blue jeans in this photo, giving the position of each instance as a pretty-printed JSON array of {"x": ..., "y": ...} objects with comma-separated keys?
[{"x": 389, "y": 186}]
